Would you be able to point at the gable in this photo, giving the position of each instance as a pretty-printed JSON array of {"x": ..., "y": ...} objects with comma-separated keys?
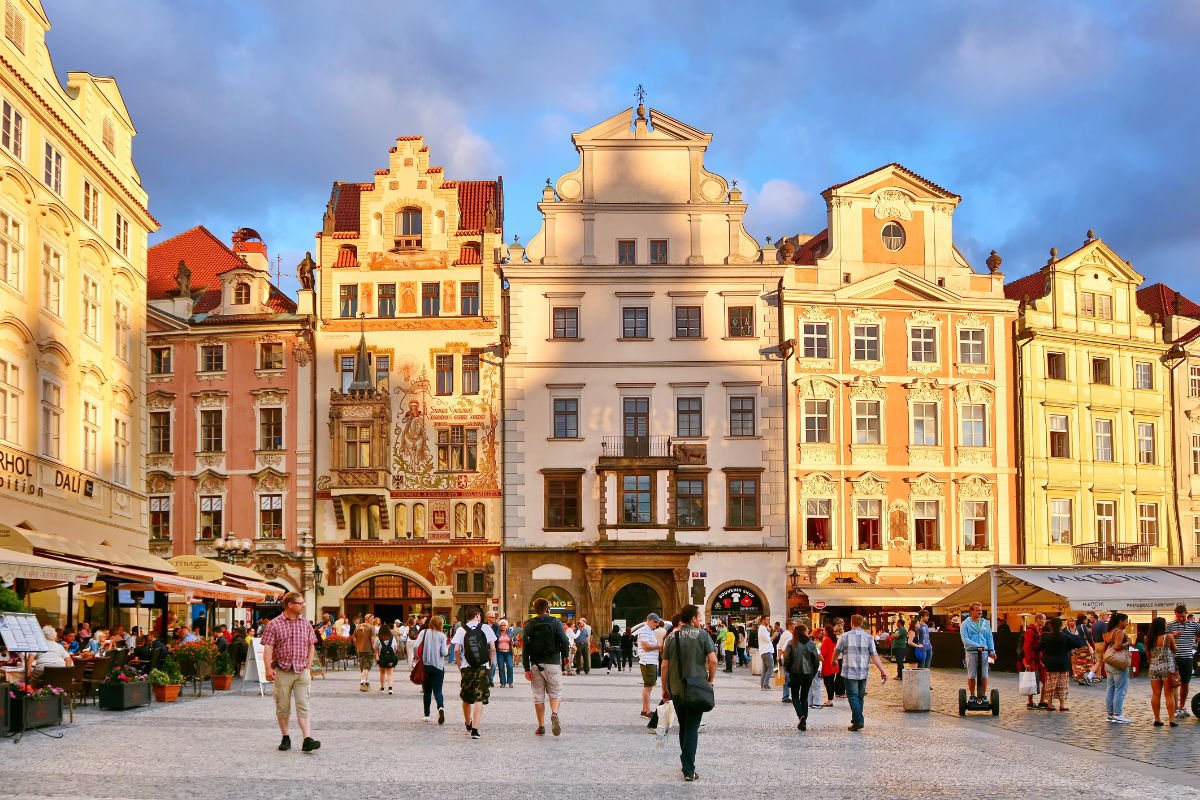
[
  {"x": 900, "y": 285},
  {"x": 1098, "y": 256},
  {"x": 891, "y": 175}
]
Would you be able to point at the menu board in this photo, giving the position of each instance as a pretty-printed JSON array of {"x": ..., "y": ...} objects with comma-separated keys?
[{"x": 22, "y": 634}]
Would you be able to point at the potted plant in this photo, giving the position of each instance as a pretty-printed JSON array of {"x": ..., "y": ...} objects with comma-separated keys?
[
  {"x": 222, "y": 672},
  {"x": 166, "y": 681},
  {"x": 34, "y": 707},
  {"x": 124, "y": 688},
  {"x": 196, "y": 659}
]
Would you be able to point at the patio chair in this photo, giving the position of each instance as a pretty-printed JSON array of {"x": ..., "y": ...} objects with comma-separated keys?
[
  {"x": 101, "y": 666},
  {"x": 62, "y": 678},
  {"x": 119, "y": 657},
  {"x": 78, "y": 677}
]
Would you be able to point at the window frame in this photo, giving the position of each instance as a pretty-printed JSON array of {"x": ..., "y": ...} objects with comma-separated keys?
[
  {"x": 271, "y": 430},
  {"x": 926, "y": 432},
  {"x": 160, "y": 505},
  {"x": 863, "y": 431},
  {"x": 121, "y": 234},
  {"x": 699, "y": 501},
  {"x": 689, "y": 415},
  {"x": 431, "y": 299},
  {"x": 650, "y": 493},
  {"x": 873, "y": 539},
  {"x": 1056, "y": 357},
  {"x": 742, "y": 500},
  {"x": 12, "y": 130},
  {"x": 815, "y": 342},
  {"x": 1143, "y": 375},
  {"x": 271, "y": 356},
  {"x": 970, "y": 436},
  {"x": 1059, "y": 441},
  {"x": 562, "y": 494},
  {"x": 659, "y": 245},
  {"x": 385, "y": 300},
  {"x": 470, "y": 374},
  {"x": 160, "y": 441},
  {"x": 52, "y": 278},
  {"x": 626, "y": 252},
  {"x": 458, "y": 455},
  {"x": 635, "y": 323},
  {"x": 347, "y": 300},
  {"x": 742, "y": 416},
  {"x": 865, "y": 338},
  {"x": 1104, "y": 441},
  {"x": 215, "y": 506},
  {"x": 922, "y": 538},
  {"x": 155, "y": 354},
  {"x": 211, "y": 430},
  {"x": 897, "y": 237},
  {"x": 469, "y": 301},
  {"x": 824, "y": 512},
  {"x": 50, "y": 438},
  {"x": 12, "y": 396},
  {"x": 218, "y": 362},
  {"x": 740, "y": 322},
  {"x": 564, "y": 418},
  {"x": 357, "y": 445},
  {"x": 1106, "y": 520},
  {"x": 569, "y": 322},
  {"x": 12, "y": 240},
  {"x": 443, "y": 368},
  {"x": 1058, "y": 533},
  {"x": 970, "y": 351},
  {"x": 1147, "y": 447},
  {"x": 1149, "y": 528},
  {"x": 273, "y": 505},
  {"x": 918, "y": 345},
  {"x": 53, "y": 167},
  {"x": 971, "y": 532},
  {"x": 1101, "y": 371},
  {"x": 92, "y": 303},
  {"x": 684, "y": 327}
]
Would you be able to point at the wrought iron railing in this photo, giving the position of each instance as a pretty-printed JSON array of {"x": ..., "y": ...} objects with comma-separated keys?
[{"x": 1096, "y": 552}]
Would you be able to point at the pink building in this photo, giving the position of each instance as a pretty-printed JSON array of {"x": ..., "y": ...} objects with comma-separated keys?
[{"x": 228, "y": 397}]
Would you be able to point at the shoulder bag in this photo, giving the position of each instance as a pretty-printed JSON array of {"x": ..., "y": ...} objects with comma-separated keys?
[
  {"x": 417, "y": 673},
  {"x": 698, "y": 693},
  {"x": 1117, "y": 659}
]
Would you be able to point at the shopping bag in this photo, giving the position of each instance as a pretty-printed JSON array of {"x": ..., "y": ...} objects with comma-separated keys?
[
  {"x": 1027, "y": 683},
  {"x": 780, "y": 679}
]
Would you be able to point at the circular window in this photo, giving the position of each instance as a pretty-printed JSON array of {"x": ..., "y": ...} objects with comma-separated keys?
[{"x": 893, "y": 236}]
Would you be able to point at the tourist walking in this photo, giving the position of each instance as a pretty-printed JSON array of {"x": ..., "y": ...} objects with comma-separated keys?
[
  {"x": 857, "y": 649},
  {"x": 544, "y": 650},
  {"x": 923, "y": 635},
  {"x": 1099, "y": 628},
  {"x": 688, "y": 659},
  {"x": 386, "y": 656},
  {"x": 781, "y": 644},
  {"x": 729, "y": 644},
  {"x": 627, "y": 649},
  {"x": 1031, "y": 658},
  {"x": 614, "y": 649},
  {"x": 1117, "y": 660},
  {"x": 364, "y": 644},
  {"x": 1183, "y": 631},
  {"x": 829, "y": 664},
  {"x": 430, "y": 647},
  {"x": 649, "y": 651},
  {"x": 899, "y": 646},
  {"x": 1055, "y": 648},
  {"x": 801, "y": 662},
  {"x": 412, "y": 631},
  {"x": 818, "y": 684},
  {"x": 504, "y": 655},
  {"x": 583, "y": 647},
  {"x": 766, "y": 653},
  {"x": 475, "y": 646},
  {"x": 289, "y": 645},
  {"x": 979, "y": 650},
  {"x": 1164, "y": 668}
]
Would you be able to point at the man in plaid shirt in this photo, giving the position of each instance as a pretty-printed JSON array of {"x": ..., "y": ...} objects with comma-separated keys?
[
  {"x": 857, "y": 649},
  {"x": 289, "y": 645}
]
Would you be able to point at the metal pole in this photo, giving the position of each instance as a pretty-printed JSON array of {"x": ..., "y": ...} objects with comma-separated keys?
[
  {"x": 994, "y": 588},
  {"x": 70, "y": 604}
]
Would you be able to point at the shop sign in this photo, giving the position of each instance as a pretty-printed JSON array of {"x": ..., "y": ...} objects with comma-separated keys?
[
  {"x": 737, "y": 600},
  {"x": 197, "y": 568},
  {"x": 19, "y": 473},
  {"x": 818, "y": 604}
]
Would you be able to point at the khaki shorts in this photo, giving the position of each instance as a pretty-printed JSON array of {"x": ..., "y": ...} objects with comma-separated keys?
[
  {"x": 366, "y": 661},
  {"x": 649, "y": 674},
  {"x": 290, "y": 685},
  {"x": 547, "y": 682}
]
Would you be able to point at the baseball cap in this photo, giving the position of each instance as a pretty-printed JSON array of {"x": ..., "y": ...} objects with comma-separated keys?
[{"x": 653, "y": 618}]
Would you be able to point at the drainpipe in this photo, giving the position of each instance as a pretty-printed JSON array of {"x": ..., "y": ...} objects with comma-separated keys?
[
  {"x": 502, "y": 582},
  {"x": 1173, "y": 359},
  {"x": 1019, "y": 380},
  {"x": 786, "y": 347}
]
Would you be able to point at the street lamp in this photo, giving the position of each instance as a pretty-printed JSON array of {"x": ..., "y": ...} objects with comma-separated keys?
[
  {"x": 232, "y": 548},
  {"x": 316, "y": 575}
]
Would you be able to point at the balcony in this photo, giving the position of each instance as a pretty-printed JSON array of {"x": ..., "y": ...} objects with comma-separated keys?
[
  {"x": 635, "y": 447},
  {"x": 359, "y": 478},
  {"x": 1097, "y": 552}
]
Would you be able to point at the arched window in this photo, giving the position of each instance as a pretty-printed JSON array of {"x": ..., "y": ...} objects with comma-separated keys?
[
  {"x": 400, "y": 522},
  {"x": 408, "y": 228},
  {"x": 418, "y": 525},
  {"x": 241, "y": 294},
  {"x": 355, "y": 515},
  {"x": 479, "y": 521},
  {"x": 460, "y": 520}
]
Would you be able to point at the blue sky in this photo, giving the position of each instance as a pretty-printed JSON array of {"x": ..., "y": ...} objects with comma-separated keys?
[{"x": 1048, "y": 118}]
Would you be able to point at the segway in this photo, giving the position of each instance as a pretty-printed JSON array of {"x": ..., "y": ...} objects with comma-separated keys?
[{"x": 991, "y": 703}]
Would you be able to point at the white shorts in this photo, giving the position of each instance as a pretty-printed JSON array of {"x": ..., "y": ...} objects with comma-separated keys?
[{"x": 547, "y": 682}]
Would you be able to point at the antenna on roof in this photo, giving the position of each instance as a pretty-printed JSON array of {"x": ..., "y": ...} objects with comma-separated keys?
[{"x": 278, "y": 270}]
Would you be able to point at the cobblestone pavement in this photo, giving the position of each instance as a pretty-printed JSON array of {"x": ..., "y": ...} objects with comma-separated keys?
[{"x": 376, "y": 746}]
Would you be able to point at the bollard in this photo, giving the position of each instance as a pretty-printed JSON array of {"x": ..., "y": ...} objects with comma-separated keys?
[
  {"x": 755, "y": 662},
  {"x": 916, "y": 690}
]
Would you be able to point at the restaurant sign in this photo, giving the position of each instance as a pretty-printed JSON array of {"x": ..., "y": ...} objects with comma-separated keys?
[
  {"x": 197, "y": 568},
  {"x": 19, "y": 473},
  {"x": 737, "y": 600}
]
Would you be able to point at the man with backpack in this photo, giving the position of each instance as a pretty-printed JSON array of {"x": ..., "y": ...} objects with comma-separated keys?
[
  {"x": 475, "y": 646},
  {"x": 689, "y": 665},
  {"x": 546, "y": 648}
]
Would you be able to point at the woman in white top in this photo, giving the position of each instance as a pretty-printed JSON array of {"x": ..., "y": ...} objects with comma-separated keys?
[
  {"x": 55, "y": 656},
  {"x": 432, "y": 644}
]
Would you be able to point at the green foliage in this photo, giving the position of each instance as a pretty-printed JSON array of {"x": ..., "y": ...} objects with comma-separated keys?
[
  {"x": 160, "y": 678},
  {"x": 171, "y": 669},
  {"x": 223, "y": 665},
  {"x": 10, "y": 600}
]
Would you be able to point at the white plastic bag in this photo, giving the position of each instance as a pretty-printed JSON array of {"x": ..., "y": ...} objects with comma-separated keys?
[
  {"x": 1027, "y": 683},
  {"x": 666, "y": 716}
]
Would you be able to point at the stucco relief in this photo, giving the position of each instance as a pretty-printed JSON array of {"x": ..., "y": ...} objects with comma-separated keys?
[
  {"x": 898, "y": 524},
  {"x": 975, "y": 487},
  {"x": 924, "y": 390},
  {"x": 268, "y": 480},
  {"x": 869, "y": 485},
  {"x": 436, "y": 563},
  {"x": 926, "y": 486},
  {"x": 409, "y": 259},
  {"x": 973, "y": 392},
  {"x": 816, "y": 388},
  {"x": 893, "y": 204},
  {"x": 301, "y": 352},
  {"x": 818, "y": 485}
]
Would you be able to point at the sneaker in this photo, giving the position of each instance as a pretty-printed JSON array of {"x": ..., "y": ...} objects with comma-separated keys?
[
  {"x": 285, "y": 743},
  {"x": 1121, "y": 720},
  {"x": 555, "y": 727},
  {"x": 703, "y": 727},
  {"x": 381, "y": 690},
  {"x": 474, "y": 733},
  {"x": 855, "y": 727},
  {"x": 425, "y": 718},
  {"x": 468, "y": 727},
  {"x": 389, "y": 690},
  {"x": 541, "y": 731},
  {"x": 441, "y": 716},
  {"x": 1181, "y": 714},
  {"x": 310, "y": 744},
  {"x": 1185, "y": 713},
  {"x": 1110, "y": 718},
  {"x": 695, "y": 776}
]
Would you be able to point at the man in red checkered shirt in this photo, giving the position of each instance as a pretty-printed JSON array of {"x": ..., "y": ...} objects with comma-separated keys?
[{"x": 289, "y": 645}]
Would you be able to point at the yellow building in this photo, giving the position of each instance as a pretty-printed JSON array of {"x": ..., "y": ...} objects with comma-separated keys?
[
  {"x": 1096, "y": 457},
  {"x": 73, "y": 226}
]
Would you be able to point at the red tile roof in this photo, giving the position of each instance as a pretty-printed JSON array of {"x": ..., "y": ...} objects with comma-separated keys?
[
  {"x": 424, "y": 149},
  {"x": 346, "y": 202},
  {"x": 1160, "y": 299},
  {"x": 900, "y": 168},
  {"x": 1194, "y": 333},
  {"x": 408, "y": 138},
  {"x": 807, "y": 253},
  {"x": 250, "y": 247},
  {"x": 346, "y": 257},
  {"x": 1031, "y": 286},
  {"x": 469, "y": 255},
  {"x": 473, "y": 198},
  {"x": 432, "y": 170},
  {"x": 381, "y": 172}
]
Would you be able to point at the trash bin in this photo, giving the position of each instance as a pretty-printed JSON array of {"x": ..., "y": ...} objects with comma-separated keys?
[
  {"x": 755, "y": 662},
  {"x": 916, "y": 690}
]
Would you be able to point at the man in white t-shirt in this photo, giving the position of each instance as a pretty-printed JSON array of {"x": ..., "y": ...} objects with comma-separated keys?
[
  {"x": 766, "y": 651},
  {"x": 473, "y": 674},
  {"x": 785, "y": 639},
  {"x": 649, "y": 649}
]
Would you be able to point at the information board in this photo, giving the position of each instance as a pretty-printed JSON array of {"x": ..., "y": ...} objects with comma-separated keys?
[
  {"x": 256, "y": 671},
  {"x": 22, "y": 634}
]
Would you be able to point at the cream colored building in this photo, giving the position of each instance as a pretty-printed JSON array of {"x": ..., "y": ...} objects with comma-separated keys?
[
  {"x": 73, "y": 227},
  {"x": 643, "y": 402}
]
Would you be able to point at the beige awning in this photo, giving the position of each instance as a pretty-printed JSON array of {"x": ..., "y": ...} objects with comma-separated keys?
[
  {"x": 15, "y": 564},
  {"x": 876, "y": 596},
  {"x": 211, "y": 570},
  {"x": 178, "y": 584},
  {"x": 27, "y": 540},
  {"x": 1028, "y": 589}
]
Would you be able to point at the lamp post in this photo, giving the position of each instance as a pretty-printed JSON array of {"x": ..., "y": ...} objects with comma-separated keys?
[{"x": 232, "y": 548}]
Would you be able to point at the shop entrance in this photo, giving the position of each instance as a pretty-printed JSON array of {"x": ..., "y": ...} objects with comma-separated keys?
[
  {"x": 737, "y": 605},
  {"x": 634, "y": 602},
  {"x": 562, "y": 604},
  {"x": 389, "y": 597}
]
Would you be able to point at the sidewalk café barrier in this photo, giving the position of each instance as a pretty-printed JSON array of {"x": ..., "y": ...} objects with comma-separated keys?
[{"x": 916, "y": 690}]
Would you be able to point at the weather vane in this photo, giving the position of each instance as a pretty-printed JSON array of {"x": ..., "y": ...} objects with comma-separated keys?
[{"x": 640, "y": 94}]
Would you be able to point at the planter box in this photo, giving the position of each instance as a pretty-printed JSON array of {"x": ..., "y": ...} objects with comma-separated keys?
[
  {"x": 4, "y": 704},
  {"x": 168, "y": 693},
  {"x": 222, "y": 682},
  {"x": 27, "y": 713},
  {"x": 120, "y": 696}
]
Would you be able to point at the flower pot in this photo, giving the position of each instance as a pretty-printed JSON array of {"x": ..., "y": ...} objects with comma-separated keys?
[
  {"x": 120, "y": 696},
  {"x": 27, "y": 713},
  {"x": 167, "y": 694},
  {"x": 222, "y": 682}
]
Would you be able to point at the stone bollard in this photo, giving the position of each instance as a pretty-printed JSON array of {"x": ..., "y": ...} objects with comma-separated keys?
[
  {"x": 755, "y": 662},
  {"x": 916, "y": 690}
]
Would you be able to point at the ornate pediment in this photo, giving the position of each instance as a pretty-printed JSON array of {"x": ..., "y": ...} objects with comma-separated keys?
[
  {"x": 269, "y": 480},
  {"x": 818, "y": 484},
  {"x": 868, "y": 484},
  {"x": 976, "y": 487},
  {"x": 926, "y": 485},
  {"x": 867, "y": 388},
  {"x": 210, "y": 482},
  {"x": 160, "y": 401}
]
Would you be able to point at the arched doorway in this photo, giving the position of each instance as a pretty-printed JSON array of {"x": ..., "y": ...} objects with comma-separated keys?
[
  {"x": 737, "y": 603},
  {"x": 633, "y": 602},
  {"x": 562, "y": 604},
  {"x": 389, "y": 597}
]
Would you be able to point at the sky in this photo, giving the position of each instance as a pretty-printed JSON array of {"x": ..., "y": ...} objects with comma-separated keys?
[{"x": 1047, "y": 118}]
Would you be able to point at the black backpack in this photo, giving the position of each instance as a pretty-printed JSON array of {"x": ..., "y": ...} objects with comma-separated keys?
[
  {"x": 387, "y": 654},
  {"x": 541, "y": 642},
  {"x": 475, "y": 646}
]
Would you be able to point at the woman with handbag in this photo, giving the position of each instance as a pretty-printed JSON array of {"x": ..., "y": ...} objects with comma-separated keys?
[
  {"x": 1031, "y": 658},
  {"x": 430, "y": 658},
  {"x": 1163, "y": 671},
  {"x": 1117, "y": 659},
  {"x": 802, "y": 662},
  {"x": 916, "y": 651},
  {"x": 1055, "y": 649}
]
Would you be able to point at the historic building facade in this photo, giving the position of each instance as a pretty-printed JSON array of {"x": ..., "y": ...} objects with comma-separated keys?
[
  {"x": 408, "y": 509},
  {"x": 643, "y": 400},
  {"x": 73, "y": 227},
  {"x": 902, "y": 460},
  {"x": 1094, "y": 416},
  {"x": 229, "y": 391}
]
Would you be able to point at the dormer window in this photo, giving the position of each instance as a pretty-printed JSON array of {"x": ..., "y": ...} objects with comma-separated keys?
[
  {"x": 408, "y": 228},
  {"x": 241, "y": 294}
]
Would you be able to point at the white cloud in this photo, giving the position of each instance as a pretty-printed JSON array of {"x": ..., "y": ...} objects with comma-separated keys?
[{"x": 777, "y": 208}]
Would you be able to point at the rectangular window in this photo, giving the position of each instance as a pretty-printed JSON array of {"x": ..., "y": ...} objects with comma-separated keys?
[
  {"x": 91, "y": 204},
  {"x": 1195, "y": 454},
  {"x": 1062, "y": 521},
  {"x": 816, "y": 422},
  {"x": 741, "y": 416},
  {"x": 270, "y": 355},
  {"x": 1056, "y": 366},
  {"x": 387, "y": 299},
  {"x": 1087, "y": 304},
  {"x": 212, "y": 509},
  {"x": 1148, "y": 523},
  {"x": 1104, "y": 306},
  {"x": 53, "y": 169},
  {"x": 383, "y": 368},
  {"x": 1196, "y": 532},
  {"x": 160, "y": 361},
  {"x": 816, "y": 339},
  {"x": 14, "y": 25},
  {"x": 358, "y": 446},
  {"x": 658, "y": 251},
  {"x": 91, "y": 308},
  {"x": 923, "y": 345},
  {"x": 212, "y": 358},
  {"x": 444, "y": 367},
  {"x": 866, "y": 342},
  {"x": 689, "y": 417},
  {"x": 431, "y": 299},
  {"x": 91, "y": 436},
  {"x": 1143, "y": 375},
  {"x": 566, "y": 418},
  {"x": 347, "y": 370},
  {"x": 160, "y": 431},
  {"x": 12, "y": 132},
  {"x": 924, "y": 424},
  {"x": 10, "y": 402},
  {"x": 52, "y": 278},
  {"x": 635, "y": 322},
  {"x": 52, "y": 411},
  {"x": 971, "y": 343},
  {"x": 12, "y": 250},
  {"x": 1194, "y": 381},
  {"x": 562, "y": 501},
  {"x": 1145, "y": 443},
  {"x": 120, "y": 471},
  {"x": 121, "y": 236},
  {"x": 469, "y": 294},
  {"x": 160, "y": 517},
  {"x": 925, "y": 525},
  {"x": 1102, "y": 371},
  {"x": 458, "y": 448},
  {"x": 566, "y": 322},
  {"x": 1106, "y": 521},
  {"x": 270, "y": 429},
  {"x": 741, "y": 322},
  {"x": 975, "y": 525},
  {"x": 212, "y": 431},
  {"x": 869, "y": 524},
  {"x": 122, "y": 330},
  {"x": 743, "y": 501},
  {"x": 270, "y": 516},
  {"x": 637, "y": 499},
  {"x": 818, "y": 532},
  {"x": 974, "y": 424},
  {"x": 1060, "y": 437},
  {"x": 348, "y": 300},
  {"x": 689, "y": 503},
  {"x": 687, "y": 322},
  {"x": 470, "y": 374},
  {"x": 1104, "y": 440},
  {"x": 626, "y": 252},
  {"x": 866, "y": 422}
]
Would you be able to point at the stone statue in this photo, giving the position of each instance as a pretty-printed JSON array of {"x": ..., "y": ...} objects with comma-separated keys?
[
  {"x": 305, "y": 271},
  {"x": 183, "y": 279}
]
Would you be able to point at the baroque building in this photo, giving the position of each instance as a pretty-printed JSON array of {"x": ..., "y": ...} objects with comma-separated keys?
[
  {"x": 1094, "y": 415},
  {"x": 408, "y": 502},
  {"x": 643, "y": 402},
  {"x": 229, "y": 390},
  {"x": 902, "y": 462}
]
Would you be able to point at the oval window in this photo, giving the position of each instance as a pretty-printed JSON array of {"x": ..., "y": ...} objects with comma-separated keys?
[{"x": 893, "y": 236}]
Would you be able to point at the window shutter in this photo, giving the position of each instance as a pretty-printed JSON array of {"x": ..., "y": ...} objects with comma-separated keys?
[{"x": 14, "y": 26}]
